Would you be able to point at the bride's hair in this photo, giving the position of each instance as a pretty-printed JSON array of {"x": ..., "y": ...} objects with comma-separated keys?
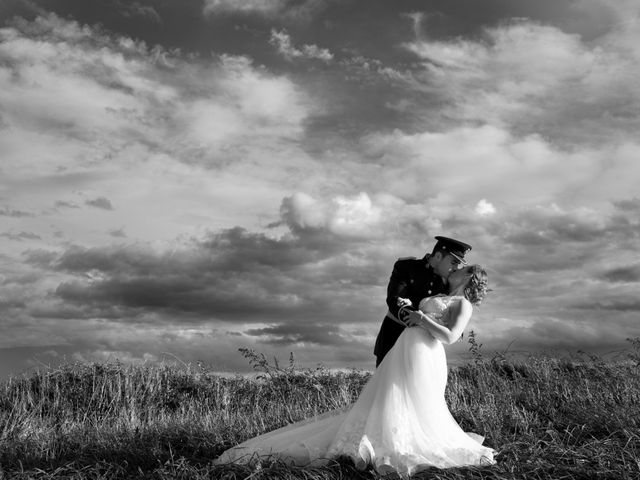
[{"x": 477, "y": 285}]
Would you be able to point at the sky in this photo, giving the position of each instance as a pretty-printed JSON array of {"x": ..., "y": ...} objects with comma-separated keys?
[{"x": 181, "y": 179}]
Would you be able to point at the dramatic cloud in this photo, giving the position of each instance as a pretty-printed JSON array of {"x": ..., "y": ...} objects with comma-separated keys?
[
  {"x": 87, "y": 113},
  {"x": 190, "y": 180},
  {"x": 563, "y": 88},
  {"x": 532, "y": 170}
]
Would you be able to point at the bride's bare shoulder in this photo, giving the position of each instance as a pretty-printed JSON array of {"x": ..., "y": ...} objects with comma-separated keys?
[{"x": 460, "y": 301}]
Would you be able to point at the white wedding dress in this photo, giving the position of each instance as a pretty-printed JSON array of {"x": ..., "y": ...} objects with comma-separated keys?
[{"x": 399, "y": 423}]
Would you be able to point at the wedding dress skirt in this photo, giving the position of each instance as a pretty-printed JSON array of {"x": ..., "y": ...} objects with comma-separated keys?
[{"x": 399, "y": 423}]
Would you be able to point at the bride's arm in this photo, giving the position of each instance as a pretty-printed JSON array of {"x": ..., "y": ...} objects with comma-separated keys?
[{"x": 459, "y": 316}]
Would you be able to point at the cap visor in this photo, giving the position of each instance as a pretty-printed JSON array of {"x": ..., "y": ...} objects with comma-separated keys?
[{"x": 459, "y": 258}]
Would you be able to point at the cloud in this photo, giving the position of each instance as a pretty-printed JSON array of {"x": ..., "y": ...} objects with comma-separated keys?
[
  {"x": 623, "y": 274},
  {"x": 89, "y": 112},
  {"x": 354, "y": 216},
  {"x": 74, "y": 83},
  {"x": 56, "y": 63},
  {"x": 560, "y": 89},
  {"x": 65, "y": 89},
  {"x": 264, "y": 202},
  {"x": 612, "y": 305},
  {"x": 271, "y": 7},
  {"x": 328, "y": 243},
  {"x": 485, "y": 208},
  {"x": 247, "y": 108},
  {"x": 357, "y": 220},
  {"x": 326, "y": 240},
  {"x": 63, "y": 204},
  {"x": 297, "y": 289},
  {"x": 300, "y": 11},
  {"x": 11, "y": 212},
  {"x": 554, "y": 238},
  {"x": 138, "y": 10},
  {"x": 417, "y": 19},
  {"x": 282, "y": 40},
  {"x": 320, "y": 334},
  {"x": 559, "y": 337},
  {"x": 537, "y": 170},
  {"x": 205, "y": 279},
  {"x": 100, "y": 202},
  {"x": 631, "y": 205},
  {"x": 20, "y": 236},
  {"x": 40, "y": 257}
]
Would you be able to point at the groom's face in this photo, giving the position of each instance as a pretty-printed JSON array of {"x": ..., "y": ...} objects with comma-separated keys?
[{"x": 446, "y": 264}]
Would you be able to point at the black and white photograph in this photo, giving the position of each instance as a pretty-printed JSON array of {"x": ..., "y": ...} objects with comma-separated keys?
[{"x": 320, "y": 239}]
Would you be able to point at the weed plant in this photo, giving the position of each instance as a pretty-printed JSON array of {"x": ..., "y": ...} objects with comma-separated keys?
[{"x": 549, "y": 418}]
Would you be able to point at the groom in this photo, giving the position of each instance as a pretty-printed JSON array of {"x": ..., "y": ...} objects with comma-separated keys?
[{"x": 415, "y": 279}]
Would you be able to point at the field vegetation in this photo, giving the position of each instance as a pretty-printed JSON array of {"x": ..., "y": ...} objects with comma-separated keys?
[{"x": 549, "y": 418}]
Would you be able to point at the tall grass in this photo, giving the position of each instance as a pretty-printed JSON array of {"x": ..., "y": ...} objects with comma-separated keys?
[{"x": 549, "y": 418}]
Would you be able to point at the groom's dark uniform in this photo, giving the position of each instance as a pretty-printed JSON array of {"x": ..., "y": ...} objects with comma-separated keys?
[
  {"x": 414, "y": 279},
  {"x": 411, "y": 278}
]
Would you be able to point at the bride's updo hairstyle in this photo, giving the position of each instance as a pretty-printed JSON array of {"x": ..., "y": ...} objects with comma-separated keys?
[{"x": 477, "y": 285}]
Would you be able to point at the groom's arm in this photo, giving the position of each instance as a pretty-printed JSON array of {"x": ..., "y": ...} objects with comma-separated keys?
[{"x": 397, "y": 287}]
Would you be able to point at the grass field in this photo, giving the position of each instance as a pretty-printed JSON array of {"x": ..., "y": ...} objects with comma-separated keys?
[{"x": 548, "y": 418}]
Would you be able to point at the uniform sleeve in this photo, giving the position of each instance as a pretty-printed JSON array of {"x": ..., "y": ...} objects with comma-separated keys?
[{"x": 397, "y": 287}]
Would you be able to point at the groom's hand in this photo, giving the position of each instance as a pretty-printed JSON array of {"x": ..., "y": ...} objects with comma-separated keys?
[{"x": 404, "y": 302}]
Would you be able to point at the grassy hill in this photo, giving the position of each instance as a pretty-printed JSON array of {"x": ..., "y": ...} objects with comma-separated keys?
[{"x": 549, "y": 418}]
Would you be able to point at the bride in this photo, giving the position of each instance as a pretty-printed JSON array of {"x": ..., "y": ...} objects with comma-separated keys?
[{"x": 400, "y": 422}]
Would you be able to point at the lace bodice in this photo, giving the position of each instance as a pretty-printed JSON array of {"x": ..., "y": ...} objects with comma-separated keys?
[{"x": 437, "y": 306}]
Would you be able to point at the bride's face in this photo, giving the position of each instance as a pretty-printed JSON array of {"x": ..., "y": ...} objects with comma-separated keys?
[{"x": 459, "y": 277}]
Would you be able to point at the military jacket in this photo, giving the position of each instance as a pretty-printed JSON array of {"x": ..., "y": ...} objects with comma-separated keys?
[
  {"x": 414, "y": 279},
  {"x": 411, "y": 278}
]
